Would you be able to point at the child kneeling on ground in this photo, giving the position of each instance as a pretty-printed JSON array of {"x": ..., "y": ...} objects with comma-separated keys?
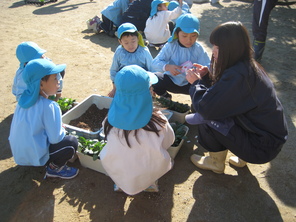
[
  {"x": 37, "y": 137},
  {"x": 137, "y": 135}
]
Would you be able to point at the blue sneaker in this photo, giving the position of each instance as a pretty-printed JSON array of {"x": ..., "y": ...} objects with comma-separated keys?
[{"x": 64, "y": 172}]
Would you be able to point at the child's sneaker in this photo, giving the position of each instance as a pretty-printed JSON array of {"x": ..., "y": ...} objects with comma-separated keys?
[
  {"x": 64, "y": 172},
  {"x": 117, "y": 188},
  {"x": 153, "y": 187}
]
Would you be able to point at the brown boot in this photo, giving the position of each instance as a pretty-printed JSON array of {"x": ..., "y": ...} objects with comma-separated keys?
[
  {"x": 236, "y": 161},
  {"x": 214, "y": 162}
]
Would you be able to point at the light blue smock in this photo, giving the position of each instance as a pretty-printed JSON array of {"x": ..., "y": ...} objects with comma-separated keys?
[
  {"x": 141, "y": 57},
  {"x": 174, "y": 54},
  {"x": 33, "y": 130},
  {"x": 115, "y": 10}
]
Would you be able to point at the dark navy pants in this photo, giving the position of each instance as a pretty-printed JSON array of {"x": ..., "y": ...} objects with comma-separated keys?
[
  {"x": 63, "y": 151},
  {"x": 165, "y": 84},
  {"x": 248, "y": 146},
  {"x": 261, "y": 12}
]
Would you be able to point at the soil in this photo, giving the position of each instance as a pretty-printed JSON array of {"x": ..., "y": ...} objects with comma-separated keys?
[
  {"x": 263, "y": 192},
  {"x": 90, "y": 120}
]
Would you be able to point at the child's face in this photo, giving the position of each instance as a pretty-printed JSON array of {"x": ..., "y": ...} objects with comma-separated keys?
[
  {"x": 162, "y": 7},
  {"x": 215, "y": 52},
  {"x": 187, "y": 39},
  {"x": 51, "y": 86},
  {"x": 129, "y": 43}
]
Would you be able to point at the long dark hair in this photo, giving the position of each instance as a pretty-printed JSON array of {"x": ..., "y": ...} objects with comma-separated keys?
[
  {"x": 234, "y": 45},
  {"x": 151, "y": 126}
]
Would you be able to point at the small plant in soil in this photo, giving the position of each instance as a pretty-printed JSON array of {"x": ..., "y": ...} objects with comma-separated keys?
[
  {"x": 180, "y": 131},
  {"x": 91, "y": 147},
  {"x": 66, "y": 104},
  {"x": 172, "y": 105}
]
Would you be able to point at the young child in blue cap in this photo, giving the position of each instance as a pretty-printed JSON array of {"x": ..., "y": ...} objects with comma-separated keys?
[
  {"x": 131, "y": 51},
  {"x": 177, "y": 56},
  {"x": 137, "y": 134},
  {"x": 111, "y": 16},
  {"x": 37, "y": 137},
  {"x": 157, "y": 30},
  {"x": 25, "y": 52}
]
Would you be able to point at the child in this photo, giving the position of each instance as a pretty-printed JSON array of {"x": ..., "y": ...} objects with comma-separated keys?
[
  {"x": 137, "y": 13},
  {"x": 25, "y": 52},
  {"x": 177, "y": 56},
  {"x": 236, "y": 104},
  {"x": 174, "y": 4},
  {"x": 138, "y": 136},
  {"x": 131, "y": 51},
  {"x": 157, "y": 29},
  {"x": 111, "y": 16},
  {"x": 37, "y": 137}
]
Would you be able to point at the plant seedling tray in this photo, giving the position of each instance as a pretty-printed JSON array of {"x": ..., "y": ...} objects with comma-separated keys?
[{"x": 100, "y": 101}]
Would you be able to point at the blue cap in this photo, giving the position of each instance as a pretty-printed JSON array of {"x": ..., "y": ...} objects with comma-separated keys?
[
  {"x": 129, "y": 27},
  {"x": 34, "y": 71},
  {"x": 154, "y": 5},
  {"x": 173, "y": 5},
  {"x": 131, "y": 107},
  {"x": 188, "y": 23},
  {"x": 26, "y": 51}
]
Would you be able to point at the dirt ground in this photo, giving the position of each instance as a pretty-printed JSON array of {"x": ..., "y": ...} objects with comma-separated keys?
[{"x": 255, "y": 193}]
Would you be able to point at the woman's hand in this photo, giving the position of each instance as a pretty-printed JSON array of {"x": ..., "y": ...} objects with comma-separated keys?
[
  {"x": 192, "y": 76},
  {"x": 202, "y": 70},
  {"x": 196, "y": 73},
  {"x": 173, "y": 69}
]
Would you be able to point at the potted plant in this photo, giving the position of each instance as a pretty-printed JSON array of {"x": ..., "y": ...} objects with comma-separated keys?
[
  {"x": 101, "y": 103},
  {"x": 88, "y": 152},
  {"x": 180, "y": 131},
  {"x": 66, "y": 104},
  {"x": 180, "y": 110}
]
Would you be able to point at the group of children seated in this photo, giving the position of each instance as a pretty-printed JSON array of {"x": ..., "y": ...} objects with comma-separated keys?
[
  {"x": 178, "y": 43},
  {"x": 138, "y": 135}
]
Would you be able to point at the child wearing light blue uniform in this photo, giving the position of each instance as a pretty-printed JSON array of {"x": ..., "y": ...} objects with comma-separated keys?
[
  {"x": 111, "y": 16},
  {"x": 131, "y": 51},
  {"x": 178, "y": 55},
  {"x": 25, "y": 52},
  {"x": 37, "y": 137},
  {"x": 174, "y": 4}
]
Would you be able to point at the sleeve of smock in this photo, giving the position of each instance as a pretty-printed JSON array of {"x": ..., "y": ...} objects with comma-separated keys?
[
  {"x": 169, "y": 136},
  {"x": 203, "y": 57},
  {"x": 173, "y": 14},
  {"x": 162, "y": 58},
  {"x": 52, "y": 119},
  {"x": 115, "y": 65},
  {"x": 148, "y": 60}
]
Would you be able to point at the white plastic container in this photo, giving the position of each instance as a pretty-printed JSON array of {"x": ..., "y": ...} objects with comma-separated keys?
[
  {"x": 173, "y": 150},
  {"x": 88, "y": 162},
  {"x": 100, "y": 101},
  {"x": 178, "y": 117}
]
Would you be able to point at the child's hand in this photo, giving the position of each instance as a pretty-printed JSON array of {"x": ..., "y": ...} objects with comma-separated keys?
[
  {"x": 174, "y": 70},
  {"x": 180, "y": 3},
  {"x": 201, "y": 70},
  {"x": 112, "y": 93}
]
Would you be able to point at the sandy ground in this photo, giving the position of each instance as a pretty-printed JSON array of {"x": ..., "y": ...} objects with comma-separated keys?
[{"x": 255, "y": 193}]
